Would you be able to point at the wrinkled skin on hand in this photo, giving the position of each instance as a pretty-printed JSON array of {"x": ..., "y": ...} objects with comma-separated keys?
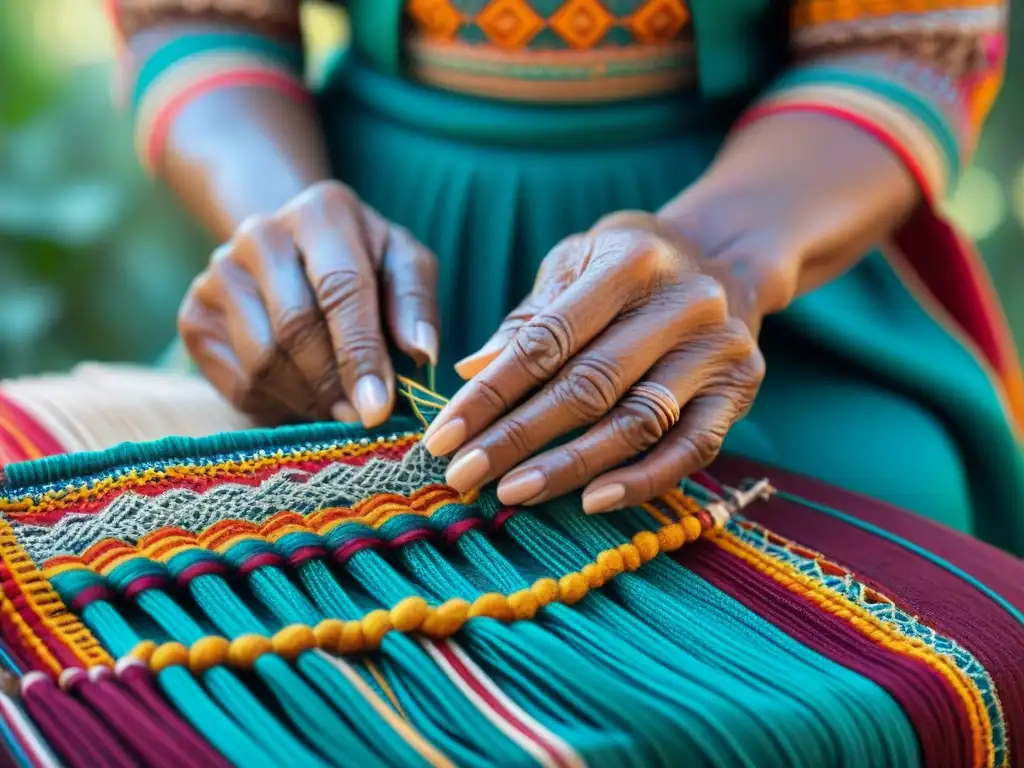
[
  {"x": 626, "y": 333},
  {"x": 287, "y": 319}
]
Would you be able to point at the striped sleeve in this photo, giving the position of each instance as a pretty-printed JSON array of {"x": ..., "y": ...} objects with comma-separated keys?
[
  {"x": 242, "y": 44},
  {"x": 919, "y": 75}
]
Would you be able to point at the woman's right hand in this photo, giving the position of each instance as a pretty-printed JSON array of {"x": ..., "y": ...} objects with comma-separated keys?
[{"x": 288, "y": 319}]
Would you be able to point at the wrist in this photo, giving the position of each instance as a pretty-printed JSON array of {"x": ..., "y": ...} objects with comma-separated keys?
[{"x": 755, "y": 262}]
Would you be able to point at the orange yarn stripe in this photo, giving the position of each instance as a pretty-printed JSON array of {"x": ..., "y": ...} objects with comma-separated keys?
[{"x": 44, "y": 601}]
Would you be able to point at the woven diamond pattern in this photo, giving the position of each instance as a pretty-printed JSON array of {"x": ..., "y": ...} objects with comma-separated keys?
[{"x": 580, "y": 24}]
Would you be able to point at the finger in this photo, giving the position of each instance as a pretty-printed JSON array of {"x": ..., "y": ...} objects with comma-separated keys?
[
  {"x": 691, "y": 445},
  {"x": 328, "y": 229},
  {"x": 409, "y": 274},
  {"x": 617, "y": 272},
  {"x": 251, "y": 335},
  {"x": 584, "y": 392},
  {"x": 718, "y": 361},
  {"x": 202, "y": 331},
  {"x": 264, "y": 247}
]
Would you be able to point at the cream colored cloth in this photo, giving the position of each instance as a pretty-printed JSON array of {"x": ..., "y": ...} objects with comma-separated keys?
[{"x": 97, "y": 406}]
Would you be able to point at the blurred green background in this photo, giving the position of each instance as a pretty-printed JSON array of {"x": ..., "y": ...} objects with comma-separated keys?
[{"x": 94, "y": 257}]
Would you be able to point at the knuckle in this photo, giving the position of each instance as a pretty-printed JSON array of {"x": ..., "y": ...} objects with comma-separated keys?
[
  {"x": 542, "y": 345},
  {"x": 492, "y": 396},
  {"x": 703, "y": 446},
  {"x": 205, "y": 289},
  {"x": 297, "y": 327},
  {"x": 638, "y": 424},
  {"x": 341, "y": 287},
  {"x": 579, "y": 469},
  {"x": 590, "y": 389},
  {"x": 515, "y": 434},
  {"x": 359, "y": 346},
  {"x": 258, "y": 235},
  {"x": 754, "y": 367},
  {"x": 708, "y": 302}
]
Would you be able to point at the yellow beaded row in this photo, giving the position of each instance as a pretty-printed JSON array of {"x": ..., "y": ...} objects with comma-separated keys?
[{"x": 415, "y": 615}]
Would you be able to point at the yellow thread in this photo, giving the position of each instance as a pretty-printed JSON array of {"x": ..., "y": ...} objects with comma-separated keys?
[
  {"x": 691, "y": 528},
  {"x": 143, "y": 651},
  {"x": 375, "y": 625},
  {"x": 873, "y": 628},
  {"x": 647, "y": 545},
  {"x": 672, "y": 537},
  {"x": 409, "y": 614},
  {"x": 246, "y": 649},
  {"x": 594, "y": 575},
  {"x": 400, "y": 727},
  {"x": 630, "y": 556},
  {"x": 168, "y": 655},
  {"x": 524, "y": 605},
  {"x": 446, "y": 619},
  {"x": 328, "y": 633},
  {"x": 208, "y": 652},
  {"x": 293, "y": 640},
  {"x": 572, "y": 588},
  {"x": 492, "y": 605},
  {"x": 378, "y": 676},
  {"x": 351, "y": 640}
]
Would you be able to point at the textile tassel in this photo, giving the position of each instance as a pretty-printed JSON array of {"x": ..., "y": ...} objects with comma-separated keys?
[
  {"x": 99, "y": 691},
  {"x": 435, "y": 706},
  {"x": 266, "y": 739},
  {"x": 75, "y": 733},
  {"x": 136, "y": 679},
  {"x": 291, "y": 606},
  {"x": 318, "y": 722},
  {"x": 179, "y": 686},
  {"x": 546, "y": 676},
  {"x": 21, "y": 741}
]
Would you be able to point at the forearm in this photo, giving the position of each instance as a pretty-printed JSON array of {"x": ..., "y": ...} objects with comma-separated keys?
[
  {"x": 240, "y": 137},
  {"x": 235, "y": 153},
  {"x": 793, "y": 201}
]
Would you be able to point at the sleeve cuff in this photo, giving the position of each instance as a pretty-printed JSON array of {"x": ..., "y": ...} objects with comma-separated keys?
[
  {"x": 192, "y": 65},
  {"x": 918, "y": 112}
]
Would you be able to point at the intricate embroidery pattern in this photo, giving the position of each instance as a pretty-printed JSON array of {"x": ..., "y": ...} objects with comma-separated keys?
[{"x": 548, "y": 50}]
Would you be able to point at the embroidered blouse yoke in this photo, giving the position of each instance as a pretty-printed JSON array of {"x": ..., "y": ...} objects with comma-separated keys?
[{"x": 919, "y": 74}]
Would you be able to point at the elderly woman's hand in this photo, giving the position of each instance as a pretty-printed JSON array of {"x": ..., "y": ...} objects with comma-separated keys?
[
  {"x": 288, "y": 318},
  {"x": 627, "y": 333}
]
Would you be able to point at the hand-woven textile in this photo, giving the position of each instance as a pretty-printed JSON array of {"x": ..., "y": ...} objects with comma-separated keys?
[{"x": 316, "y": 596}]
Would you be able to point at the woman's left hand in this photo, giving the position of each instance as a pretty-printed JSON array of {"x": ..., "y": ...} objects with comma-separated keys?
[{"x": 626, "y": 332}]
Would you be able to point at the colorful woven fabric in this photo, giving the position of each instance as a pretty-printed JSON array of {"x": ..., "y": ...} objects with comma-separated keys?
[{"x": 315, "y": 596}]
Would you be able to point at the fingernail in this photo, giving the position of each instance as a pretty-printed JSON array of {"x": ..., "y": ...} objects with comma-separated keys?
[
  {"x": 520, "y": 487},
  {"x": 446, "y": 438},
  {"x": 467, "y": 471},
  {"x": 470, "y": 366},
  {"x": 426, "y": 341},
  {"x": 344, "y": 412},
  {"x": 604, "y": 499},
  {"x": 371, "y": 400}
]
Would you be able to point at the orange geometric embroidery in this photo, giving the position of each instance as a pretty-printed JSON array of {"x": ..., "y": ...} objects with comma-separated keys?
[
  {"x": 659, "y": 21},
  {"x": 436, "y": 18},
  {"x": 510, "y": 23},
  {"x": 582, "y": 23}
]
